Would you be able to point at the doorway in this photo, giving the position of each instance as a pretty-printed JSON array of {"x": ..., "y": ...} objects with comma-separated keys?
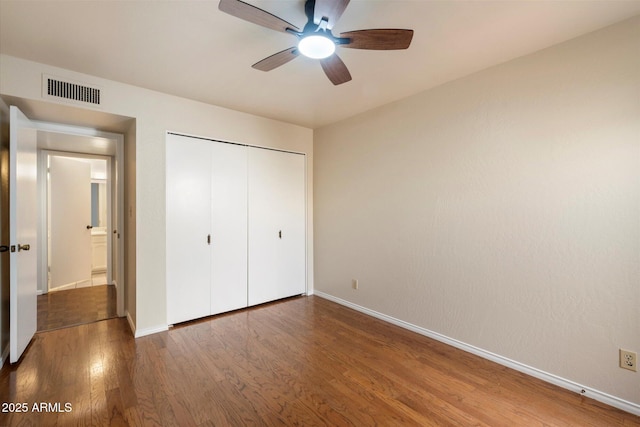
[
  {"x": 27, "y": 272},
  {"x": 78, "y": 202},
  {"x": 80, "y": 206}
]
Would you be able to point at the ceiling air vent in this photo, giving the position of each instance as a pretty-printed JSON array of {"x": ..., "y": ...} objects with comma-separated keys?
[{"x": 70, "y": 91}]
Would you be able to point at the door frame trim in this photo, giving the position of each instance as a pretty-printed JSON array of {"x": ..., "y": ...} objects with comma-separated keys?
[{"x": 43, "y": 199}]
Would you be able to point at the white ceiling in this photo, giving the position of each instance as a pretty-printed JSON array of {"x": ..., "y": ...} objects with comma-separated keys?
[{"x": 190, "y": 49}]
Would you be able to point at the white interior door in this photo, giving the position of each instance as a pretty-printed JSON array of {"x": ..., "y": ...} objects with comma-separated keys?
[
  {"x": 188, "y": 197},
  {"x": 229, "y": 227},
  {"x": 70, "y": 222},
  {"x": 277, "y": 267},
  {"x": 23, "y": 219}
]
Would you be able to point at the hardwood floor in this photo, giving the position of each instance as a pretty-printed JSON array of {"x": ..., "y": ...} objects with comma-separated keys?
[
  {"x": 61, "y": 309},
  {"x": 303, "y": 361}
]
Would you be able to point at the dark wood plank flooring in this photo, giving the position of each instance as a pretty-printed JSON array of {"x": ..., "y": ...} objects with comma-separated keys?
[
  {"x": 303, "y": 361},
  {"x": 61, "y": 309}
]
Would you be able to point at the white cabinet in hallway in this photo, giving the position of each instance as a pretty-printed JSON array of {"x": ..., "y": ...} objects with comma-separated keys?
[
  {"x": 98, "y": 251},
  {"x": 236, "y": 233}
]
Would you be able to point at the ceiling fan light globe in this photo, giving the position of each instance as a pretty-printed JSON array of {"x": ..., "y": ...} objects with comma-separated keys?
[{"x": 316, "y": 47}]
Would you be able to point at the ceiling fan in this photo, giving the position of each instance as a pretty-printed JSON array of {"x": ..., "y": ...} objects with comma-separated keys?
[{"x": 316, "y": 40}]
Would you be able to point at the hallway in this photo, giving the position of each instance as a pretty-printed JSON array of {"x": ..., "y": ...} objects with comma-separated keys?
[{"x": 72, "y": 307}]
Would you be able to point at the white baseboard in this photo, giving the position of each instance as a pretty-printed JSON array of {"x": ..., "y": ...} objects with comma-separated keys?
[
  {"x": 64, "y": 287},
  {"x": 4, "y": 356},
  {"x": 137, "y": 333},
  {"x": 131, "y": 324},
  {"x": 608, "y": 399}
]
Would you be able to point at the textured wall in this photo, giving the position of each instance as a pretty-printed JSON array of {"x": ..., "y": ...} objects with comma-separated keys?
[{"x": 501, "y": 209}]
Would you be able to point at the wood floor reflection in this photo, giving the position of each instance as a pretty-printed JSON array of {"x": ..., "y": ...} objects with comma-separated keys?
[{"x": 72, "y": 307}]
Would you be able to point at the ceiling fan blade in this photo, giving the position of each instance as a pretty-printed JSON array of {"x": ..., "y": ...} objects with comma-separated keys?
[
  {"x": 250, "y": 13},
  {"x": 331, "y": 9},
  {"x": 335, "y": 69},
  {"x": 276, "y": 60},
  {"x": 384, "y": 39}
]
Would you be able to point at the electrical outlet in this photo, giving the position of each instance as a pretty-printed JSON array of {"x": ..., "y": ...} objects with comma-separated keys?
[
  {"x": 629, "y": 360},
  {"x": 354, "y": 283}
]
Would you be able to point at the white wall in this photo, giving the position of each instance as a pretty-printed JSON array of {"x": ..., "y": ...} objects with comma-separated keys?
[
  {"x": 155, "y": 113},
  {"x": 501, "y": 210}
]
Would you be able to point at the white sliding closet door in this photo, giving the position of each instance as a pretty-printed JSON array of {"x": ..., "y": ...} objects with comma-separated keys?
[
  {"x": 188, "y": 225},
  {"x": 236, "y": 226},
  {"x": 229, "y": 227},
  {"x": 277, "y": 267}
]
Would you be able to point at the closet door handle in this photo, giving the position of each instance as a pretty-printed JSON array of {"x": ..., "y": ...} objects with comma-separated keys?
[
  {"x": 208, "y": 239},
  {"x": 4, "y": 248},
  {"x": 280, "y": 234}
]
